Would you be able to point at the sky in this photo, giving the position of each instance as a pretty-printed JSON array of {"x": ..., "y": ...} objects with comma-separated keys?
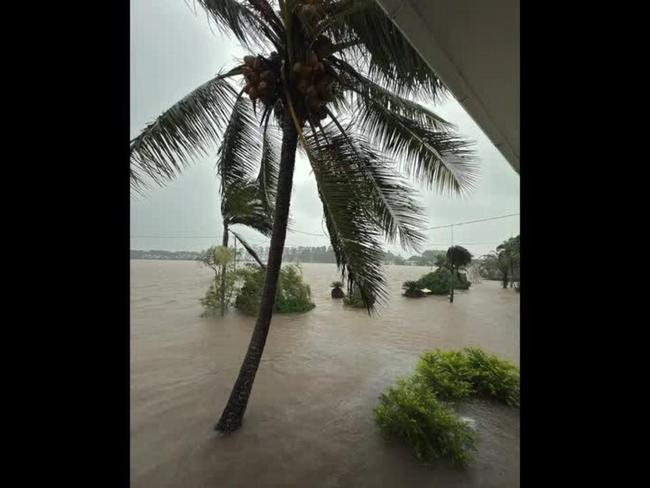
[{"x": 174, "y": 49}]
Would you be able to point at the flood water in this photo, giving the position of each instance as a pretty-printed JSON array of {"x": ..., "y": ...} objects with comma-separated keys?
[{"x": 309, "y": 421}]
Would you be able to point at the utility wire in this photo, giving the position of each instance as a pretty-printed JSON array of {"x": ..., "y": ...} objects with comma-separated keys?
[{"x": 324, "y": 235}]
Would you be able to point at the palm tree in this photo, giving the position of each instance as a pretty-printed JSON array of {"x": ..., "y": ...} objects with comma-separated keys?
[
  {"x": 335, "y": 76},
  {"x": 246, "y": 192},
  {"x": 457, "y": 257},
  {"x": 508, "y": 254}
]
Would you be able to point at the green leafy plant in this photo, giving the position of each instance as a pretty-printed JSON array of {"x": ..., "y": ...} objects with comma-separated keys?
[
  {"x": 412, "y": 290},
  {"x": 438, "y": 281},
  {"x": 293, "y": 294},
  {"x": 212, "y": 301},
  {"x": 219, "y": 296},
  {"x": 411, "y": 411},
  {"x": 447, "y": 373},
  {"x": 355, "y": 299},
  {"x": 493, "y": 377},
  {"x": 456, "y": 375},
  {"x": 417, "y": 409}
]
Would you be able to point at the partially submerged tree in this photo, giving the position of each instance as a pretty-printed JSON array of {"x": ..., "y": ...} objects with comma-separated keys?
[
  {"x": 457, "y": 258},
  {"x": 317, "y": 60},
  {"x": 509, "y": 255},
  {"x": 218, "y": 258}
]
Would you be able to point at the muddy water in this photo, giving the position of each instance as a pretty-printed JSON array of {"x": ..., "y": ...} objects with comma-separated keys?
[{"x": 309, "y": 421}]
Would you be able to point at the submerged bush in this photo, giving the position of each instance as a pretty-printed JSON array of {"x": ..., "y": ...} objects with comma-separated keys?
[
  {"x": 446, "y": 373},
  {"x": 293, "y": 294},
  {"x": 456, "y": 375},
  {"x": 211, "y": 302},
  {"x": 493, "y": 377},
  {"x": 412, "y": 290},
  {"x": 439, "y": 281},
  {"x": 415, "y": 410},
  {"x": 411, "y": 411},
  {"x": 354, "y": 299},
  {"x": 337, "y": 291}
]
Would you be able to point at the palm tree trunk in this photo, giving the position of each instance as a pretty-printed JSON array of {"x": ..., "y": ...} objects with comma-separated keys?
[
  {"x": 451, "y": 295},
  {"x": 231, "y": 418},
  {"x": 224, "y": 243}
]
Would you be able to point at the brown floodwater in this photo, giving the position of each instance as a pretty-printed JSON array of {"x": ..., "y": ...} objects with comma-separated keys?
[{"x": 309, "y": 421}]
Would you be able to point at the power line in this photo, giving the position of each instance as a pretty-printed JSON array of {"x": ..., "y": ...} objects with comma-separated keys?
[
  {"x": 324, "y": 235},
  {"x": 472, "y": 221}
]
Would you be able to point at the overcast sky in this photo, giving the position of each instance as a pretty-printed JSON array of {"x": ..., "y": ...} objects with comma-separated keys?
[{"x": 174, "y": 50}]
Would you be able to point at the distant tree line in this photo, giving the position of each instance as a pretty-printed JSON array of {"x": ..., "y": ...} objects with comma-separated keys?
[
  {"x": 503, "y": 264},
  {"x": 171, "y": 255},
  {"x": 301, "y": 254}
]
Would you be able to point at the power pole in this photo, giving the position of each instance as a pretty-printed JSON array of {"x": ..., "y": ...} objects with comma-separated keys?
[{"x": 451, "y": 259}]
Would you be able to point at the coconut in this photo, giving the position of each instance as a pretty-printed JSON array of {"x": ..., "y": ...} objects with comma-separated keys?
[
  {"x": 266, "y": 75},
  {"x": 249, "y": 60},
  {"x": 302, "y": 86},
  {"x": 262, "y": 85}
]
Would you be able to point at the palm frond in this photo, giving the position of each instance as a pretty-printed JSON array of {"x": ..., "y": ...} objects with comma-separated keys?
[
  {"x": 233, "y": 17},
  {"x": 363, "y": 201},
  {"x": 364, "y": 91},
  {"x": 249, "y": 248},
  {"x": 240, "y": 150},
  {"x": 183, "y": 132},
  {"x": 385, "y": 53},
  {"x": 267, "y": 178},
  {"x": 241, "y": 204},
  {"x": 391, "y": 200},
  {"x": 438, "y": 158},
  {"x": 355, "y": 243}
]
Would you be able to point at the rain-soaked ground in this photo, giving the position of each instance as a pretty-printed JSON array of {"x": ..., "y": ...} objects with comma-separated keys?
[{"x": 309, "y": 421}]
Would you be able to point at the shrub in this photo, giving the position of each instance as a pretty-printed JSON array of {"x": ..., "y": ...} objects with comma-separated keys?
[
  {"x": 455, "y": 375},
  {"x": 337, "y": 292},
  {"x": 410, "y": 411},
  {"x": 493, "y": 377},
  {"x": 446, "y": 373},
  {"x": 354, "y": 299},
  {"x": 412, "y": 290},
  {"x": 212, "y": 300},
  {"x": 413, "y": 410},
  {"x": 439, "y": 281},
  {"x": 461, "y": 282},
  {"x": 293, "y": 294}
]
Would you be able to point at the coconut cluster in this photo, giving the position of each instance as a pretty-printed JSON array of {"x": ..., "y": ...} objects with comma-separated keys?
[
  {"x": 311, "y": 8},
  {"x": 262, "y": 78},
  {"x": 314, "y": 82}
]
